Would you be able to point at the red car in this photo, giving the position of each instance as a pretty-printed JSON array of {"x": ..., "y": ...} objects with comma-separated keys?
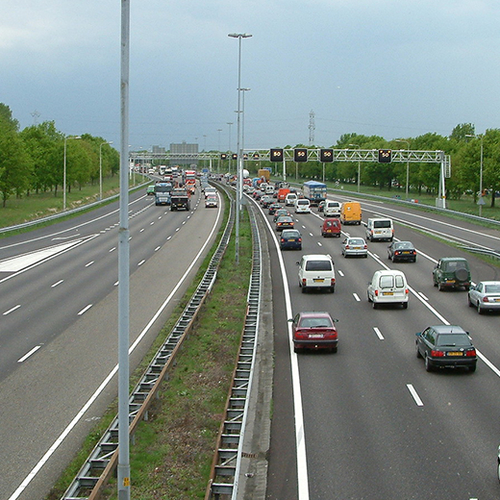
[
  {"x": 314, "y": 330},
  {"x": 331, "y": 227}
]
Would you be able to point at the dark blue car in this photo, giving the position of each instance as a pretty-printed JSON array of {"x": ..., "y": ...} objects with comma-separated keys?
[{"x": 290, "y": 239}]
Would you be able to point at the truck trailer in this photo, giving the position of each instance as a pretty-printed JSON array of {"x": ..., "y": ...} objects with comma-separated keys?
[{"x": 314, "y": 191}]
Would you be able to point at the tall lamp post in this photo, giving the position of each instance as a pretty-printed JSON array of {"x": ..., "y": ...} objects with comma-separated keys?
[
  {"x": 100, "y": 167},
  {"x": 359, "y": 165},
  {"x": 480, "y": 201},
  {"x": 229, "y": 156},
  {"x": 407, "y": 164},
  {"x": 239, "y": 160},
  {"x": 64, "y": 167}
]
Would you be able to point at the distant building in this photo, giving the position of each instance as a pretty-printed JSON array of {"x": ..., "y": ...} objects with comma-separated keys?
[
  {"x": 158, "y": 150},
  {"x": 184, "y": 151}
]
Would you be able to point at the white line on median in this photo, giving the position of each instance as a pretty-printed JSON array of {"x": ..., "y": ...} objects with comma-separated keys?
[{"x": 27, "y": 355}]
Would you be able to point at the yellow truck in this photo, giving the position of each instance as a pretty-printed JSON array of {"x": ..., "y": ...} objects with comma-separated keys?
[
  {"x": 263, "y": 172},
  {"x": 350, "y": 213}
]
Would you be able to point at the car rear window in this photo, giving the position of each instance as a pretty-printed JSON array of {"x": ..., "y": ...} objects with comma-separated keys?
[
  {"x": 382, "y": 223},
  {"x": 390, "y": 281},
  {"x": 455, "y": 264},
  {"x": 450, "y": 339},
  {"x": 318, "y": 265},
  {"x": 316, "y": 323},
  {"x": 492, "y": 288}
]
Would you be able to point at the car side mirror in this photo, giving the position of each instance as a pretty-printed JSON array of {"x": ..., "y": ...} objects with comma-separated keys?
[
  {"x": 290, "y": 320},
  {"x": 418, "y": 334}
]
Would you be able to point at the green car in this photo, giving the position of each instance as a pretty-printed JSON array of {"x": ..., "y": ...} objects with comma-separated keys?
[
  {"x": 452, "y": 272},
  {"x": 151, "y": 190}
]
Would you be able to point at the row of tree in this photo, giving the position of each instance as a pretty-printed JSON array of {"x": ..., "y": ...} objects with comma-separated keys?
[
  {"x": 463, "y": 145},
  {"x": 32, "y": 159}
]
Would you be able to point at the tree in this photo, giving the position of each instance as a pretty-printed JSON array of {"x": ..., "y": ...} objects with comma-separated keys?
[
  {"x": 15, "y": 162},
  {"x": 41, "y": 142}
]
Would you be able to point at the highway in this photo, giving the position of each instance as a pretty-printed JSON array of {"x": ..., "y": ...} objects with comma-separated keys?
[
  {"x": 369, "y": 422},
  {"x": 58, "y": 334}
]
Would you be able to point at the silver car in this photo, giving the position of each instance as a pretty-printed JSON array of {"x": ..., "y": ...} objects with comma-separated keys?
[
  {"x": 354, "y": 246},
  {"x": 485, "y": 296}
]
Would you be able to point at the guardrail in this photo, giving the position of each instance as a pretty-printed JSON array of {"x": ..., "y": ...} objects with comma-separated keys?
[
  {"x": 101, "y": 463},
  {"x": 225, "y": 472}
]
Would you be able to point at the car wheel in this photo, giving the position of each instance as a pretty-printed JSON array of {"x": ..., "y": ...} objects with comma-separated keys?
[
  {"x": 479, "y": 310},
  {"x": 414, "y": 259},
  {"x": 332, "y": 289},
  {"x": 428, "y": 366},
  {"x": 405, "y": 305},
  {"x": 469, "y": 302},
  {"x": 472, "y": 368},
  {"x": 374, "y": 305},
  {"x": 366, "y": 255},
  {"x": 418, "y": 352},
  {"x": 440, "y": 287},
  {"x": 303, "y": 289},
  {"x": 334, "y": 349},
  {"x": 368, "y": 296}
]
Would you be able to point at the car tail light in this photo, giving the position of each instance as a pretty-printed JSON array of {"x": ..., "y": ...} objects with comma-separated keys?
[
  {"x": 300, "y": 240},
  {"x": 304, "y": 282},
  {"x": 407, "y": 291},
  {"x": 365, "y": 247},
  {"x": 437, "y": 354},
  {"x": 282, "y": 240},
  {"x": 376, "y": 293},
  {"x": 332, "y": 282},
  {"x": 347, "y": 247},
  {"x": 485, "y": 299},
  {"x": 471, "y": 353},
  {"x": 397, "y": 252}
]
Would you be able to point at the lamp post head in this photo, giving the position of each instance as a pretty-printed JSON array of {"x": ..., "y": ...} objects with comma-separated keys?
[{"x": 239, "y": 35}]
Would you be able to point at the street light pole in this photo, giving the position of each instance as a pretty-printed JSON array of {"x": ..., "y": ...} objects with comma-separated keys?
[
  {"x": 359, "y": 166},
  {"x": 239, "y": 158},
  {"x": 407, "y": 165},
  {"x": 229, "y": 156},
  {"x": 100, "y": 167},
  {"x": 64, "y": 168},
  {"x": 480, "y": 201}
]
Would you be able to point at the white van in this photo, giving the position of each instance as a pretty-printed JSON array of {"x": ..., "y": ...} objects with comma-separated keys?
[
  {"x": 379, "y": 229},
  {"x": 302, "y": 206},
  {"x": 388, "y": 286},
  {"x": 332, "y": 208},
  {"x": 316, "y": 271},
  {"x": 290, "y": 199}
]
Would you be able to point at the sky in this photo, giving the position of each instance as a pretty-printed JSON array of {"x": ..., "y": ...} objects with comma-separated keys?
[{"x": 392, "y": 68}]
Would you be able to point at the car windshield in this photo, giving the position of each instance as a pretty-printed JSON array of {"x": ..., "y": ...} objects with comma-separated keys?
[
  {"x": 494, "y": 288},
  {"x": 453, "y": 340},
  {"x": 318, "y": 265},
  {"x": 323, "y": 322}
]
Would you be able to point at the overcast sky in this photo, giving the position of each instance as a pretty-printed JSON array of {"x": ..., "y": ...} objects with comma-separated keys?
[{"x": 394, "y": 68}]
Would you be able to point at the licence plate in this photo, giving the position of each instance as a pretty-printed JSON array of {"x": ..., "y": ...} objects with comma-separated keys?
[
  {"x": 455, "y": 353},
  {"x": 318, "y": 280},
  {"x": 496, "y": 300},
  {"x": 291, "y": 239},
  {"x": 406, "y": 252},
  {"x": 356, "y": 248},
  {"x": 387, "y": 293},
  {"x": 316, "y": 336}
]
